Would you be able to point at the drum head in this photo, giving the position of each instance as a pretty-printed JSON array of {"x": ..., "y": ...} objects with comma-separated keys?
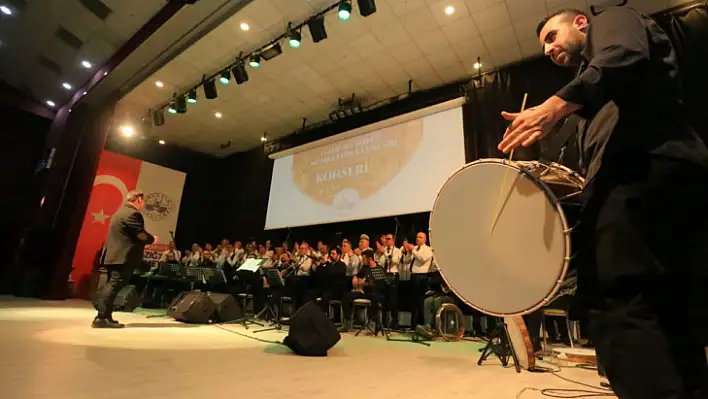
[{"x": 514, "y": 268}]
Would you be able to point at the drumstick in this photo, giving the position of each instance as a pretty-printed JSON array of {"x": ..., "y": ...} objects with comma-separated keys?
[{"x": 506, "y": 174}]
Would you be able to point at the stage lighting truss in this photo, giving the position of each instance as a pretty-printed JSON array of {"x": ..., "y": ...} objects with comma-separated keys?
[{"x": 293, "y": 36}]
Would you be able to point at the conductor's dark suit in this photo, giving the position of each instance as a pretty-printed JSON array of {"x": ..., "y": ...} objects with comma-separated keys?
[{"x": 124, "y": 249}]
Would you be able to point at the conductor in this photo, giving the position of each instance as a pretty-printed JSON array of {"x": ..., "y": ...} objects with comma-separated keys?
[
  {"x": 643, "y": 265},
  {"x": 124, "y": 248}
]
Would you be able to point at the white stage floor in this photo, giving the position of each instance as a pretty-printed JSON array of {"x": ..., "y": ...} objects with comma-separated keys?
[{"x": 48, "y": 350}]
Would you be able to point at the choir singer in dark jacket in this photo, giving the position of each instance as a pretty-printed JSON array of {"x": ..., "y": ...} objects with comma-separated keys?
[{"x": 124, "y": 249}]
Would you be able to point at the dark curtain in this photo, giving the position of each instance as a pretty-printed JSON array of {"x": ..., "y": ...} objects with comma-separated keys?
[
  {"x": 504, "y": 90},
  {"x": 21, "y": 147},
  {"x": 687, "y": 27}
]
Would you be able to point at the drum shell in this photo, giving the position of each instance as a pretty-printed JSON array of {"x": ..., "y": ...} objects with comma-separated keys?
[{"x": 487, "y": 272}]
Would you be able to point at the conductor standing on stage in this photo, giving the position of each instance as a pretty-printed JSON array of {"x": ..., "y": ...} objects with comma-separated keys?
[
  {"x": 124, "y": 248},
  {"x": 643, "y": 261}
]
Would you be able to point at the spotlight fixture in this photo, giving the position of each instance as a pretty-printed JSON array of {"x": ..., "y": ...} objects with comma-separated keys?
[
  {"x": 218, "y": 115},
  {"x": 244, "y": 26},
  {"x": 158, "y": 117},
  {"x": 271, "y": 51},
  {"x": 317, "y": 28},
  {"x": 294, "y": 37},
  {"x": 225, "y": 76},
  {"x": 210, "y": 89},
  {"x": 264, "y": 138},
  {"x": 127, "y": 131},
  {"x": 255, "y": 61},
  {"x": 6, "y": 10},
  {"x": 159, "y": 84},
  {"x": 477, "y": 65},
  {"x": 86, "y": 64},
  {"x": 84, "y": 93},
  {"x": 449, "y": 10},
  {"x": 181, "y": 104},
  {"x": 172, "y": 110},
  {"x": 192, "y": 99},
  {"x": 51, "y": 103},
  {"x": 161, "y": 142},
  {"x": 345, "y": 10},
  {"x": 66, "y": 86},
  {"x": 239, "y": 72},
  {"x": 366, "y": 7}
]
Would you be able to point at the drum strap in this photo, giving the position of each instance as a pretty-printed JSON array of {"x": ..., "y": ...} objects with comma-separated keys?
[{"x": 560, "y": 134}]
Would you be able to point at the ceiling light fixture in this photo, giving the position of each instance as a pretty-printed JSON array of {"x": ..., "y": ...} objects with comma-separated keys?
[
  {"x": 255, "y": 61},
  {"x": 192, "y": 96},
  {"x": 239, "y": 72},
  {"x": 127, "y": 130},
  {"x": 66, "y": 86},
  {"x": 264, "y": 138},
  {"x": 159, "y": 84},
  {"x": 270, "y": 52},
  {"x": 84, "y": 93},
  {"x": 345, "y": 10},
  {"x": 294, "y": 37},
  {"x": 317, "y": 28},
  {"x": 218, "y": 114},
  {"x": 366, "y": 7},
  {"x": 210, "y": 89},
  {"x": 477, "y": 65},
  {"x": 86, "y": 64},
  {"x": 6, "y": 10},
  {"x": 225, "y": 76},
  {"x": 161, "y": 142},
  {"x": 244, "y": 26},
  {"x": 172, "y": 108},
  {"x": 51, "y": 103},
  {"x": 449, "y": 10}
]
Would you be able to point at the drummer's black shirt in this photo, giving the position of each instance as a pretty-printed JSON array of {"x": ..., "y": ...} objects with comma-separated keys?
[{"x": 630, "y": 73}]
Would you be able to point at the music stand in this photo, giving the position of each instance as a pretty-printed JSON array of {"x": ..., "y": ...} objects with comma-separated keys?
[
  {"x": 275, "y": 280},
  {"x": 250, "y": 265},
  {"x": 499, "y": 345}
]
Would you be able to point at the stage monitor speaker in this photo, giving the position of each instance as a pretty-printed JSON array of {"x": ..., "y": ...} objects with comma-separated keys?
[
  {"x": 366, "y": 7},
  {"x": 192, "y": 307},
  {"x": 126, "y": 300},
  {"x": 227, "y": 307},
  {"x": 312, "y": 333}
]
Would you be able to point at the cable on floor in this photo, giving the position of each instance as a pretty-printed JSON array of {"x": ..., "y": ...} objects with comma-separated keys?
[{"x": 249, "y": 336}]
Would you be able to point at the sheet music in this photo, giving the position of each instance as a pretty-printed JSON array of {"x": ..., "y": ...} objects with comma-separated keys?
[{"x": 251, "y": 265}]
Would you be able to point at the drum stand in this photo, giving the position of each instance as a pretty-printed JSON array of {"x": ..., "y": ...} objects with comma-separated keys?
[{"x": 499, "y": 346}]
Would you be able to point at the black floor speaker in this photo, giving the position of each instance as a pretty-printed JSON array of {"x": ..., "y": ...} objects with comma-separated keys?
[
  {"x": 192, "y": 307},
  {"x": 126, "y": 300},
  {"x": 227, "y": 307},
  {"x": 312, "y": 333}
]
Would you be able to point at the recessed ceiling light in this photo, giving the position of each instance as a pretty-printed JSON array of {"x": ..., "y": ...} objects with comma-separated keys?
[
  {"x": 6, "y": 10},
  {"x": 127, "y": 130},
  {"x": 86, "y": 64},
  {"x": 244, "y": 26},
  {"x": 51, "y": 103},
  {"x": 66, "y": 86},
  {"x": 218, "y": 114},
  {"x": 477, "y": 65},
  {"x": 105, "y": 73},
  {"x": 159, "y": 84},
  {"x": 162, "y": 142},
  {"x": 449, "y": 10},
  {"x": 84, "y": 93}
]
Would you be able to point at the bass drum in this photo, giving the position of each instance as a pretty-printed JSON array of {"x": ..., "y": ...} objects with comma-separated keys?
[{"x": 504, "y": 255}]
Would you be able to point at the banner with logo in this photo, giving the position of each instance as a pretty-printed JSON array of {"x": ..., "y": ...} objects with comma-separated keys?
[{"x": 115, "y": 177}]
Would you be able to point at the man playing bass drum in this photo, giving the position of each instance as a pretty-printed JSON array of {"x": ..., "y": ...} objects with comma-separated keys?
[{"x": 643, "y": 260}]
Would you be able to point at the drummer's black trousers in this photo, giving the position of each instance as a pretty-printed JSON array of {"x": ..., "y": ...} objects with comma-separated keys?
[{"x": 644, "y": 277}]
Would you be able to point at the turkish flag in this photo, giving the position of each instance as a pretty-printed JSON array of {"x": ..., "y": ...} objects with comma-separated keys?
[{"x": 115, "y": 177}]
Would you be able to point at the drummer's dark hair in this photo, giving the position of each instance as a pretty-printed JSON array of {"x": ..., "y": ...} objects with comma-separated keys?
[{"x": 568, "y": 15}]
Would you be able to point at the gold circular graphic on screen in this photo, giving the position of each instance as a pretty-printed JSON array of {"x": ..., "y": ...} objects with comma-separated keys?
[{"x": 348, "y": 171}]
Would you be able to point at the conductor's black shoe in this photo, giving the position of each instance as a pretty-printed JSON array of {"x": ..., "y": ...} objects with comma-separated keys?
[{"x": 105, "y": 323}]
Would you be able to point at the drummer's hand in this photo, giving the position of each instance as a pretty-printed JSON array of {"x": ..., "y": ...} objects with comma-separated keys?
[{"x": 528, "y": 127}]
